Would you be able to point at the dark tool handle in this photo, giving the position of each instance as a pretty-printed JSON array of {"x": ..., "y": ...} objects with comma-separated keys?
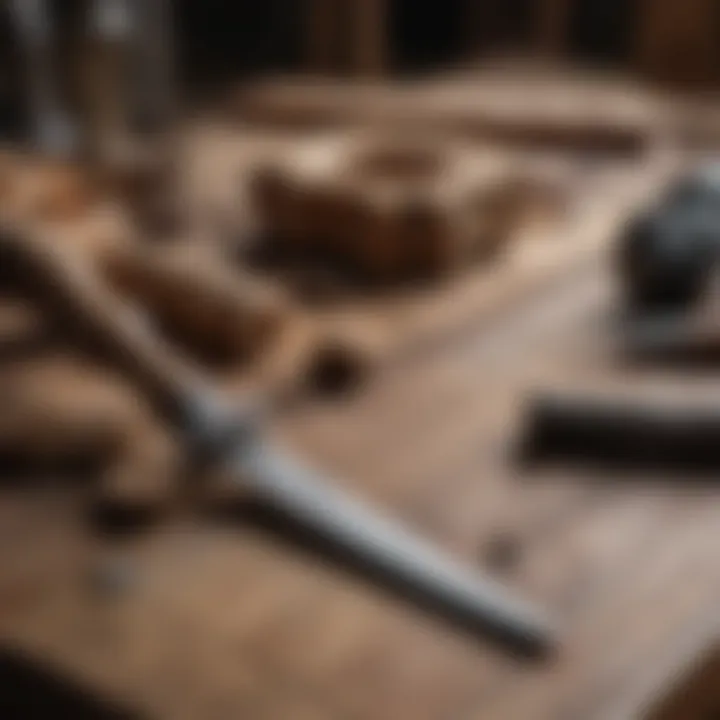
[
  {"x": 637, "y": 431},
  {"x": 383, "y": 548}
]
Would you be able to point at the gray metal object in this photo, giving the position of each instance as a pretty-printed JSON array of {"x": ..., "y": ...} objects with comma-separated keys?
[
  {"x": 386, "y": 549},
  {"x": 53, "y": 131},
  {"x": 234, "y": 442},
  {"x": 131, "y": 66},
  {"x": 668, "y": 253}
]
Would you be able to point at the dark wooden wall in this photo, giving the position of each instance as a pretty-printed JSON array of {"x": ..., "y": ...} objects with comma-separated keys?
[
  {"x": 12, "y": 111},
  {"x": 219, "y": 40},
  {"x": 425, "y": 33},
  {"x": 603, "y": 31},
  {"x": 679, "y": 42}
]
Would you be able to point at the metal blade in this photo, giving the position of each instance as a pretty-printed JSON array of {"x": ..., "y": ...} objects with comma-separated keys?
[{"x": 384, "y": 548}]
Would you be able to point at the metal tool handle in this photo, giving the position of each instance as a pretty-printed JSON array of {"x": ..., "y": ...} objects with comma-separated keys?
[{"x": 382, "y": 547}]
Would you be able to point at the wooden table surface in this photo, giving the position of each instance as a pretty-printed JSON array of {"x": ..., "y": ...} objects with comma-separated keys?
[
  {"x": 228, "y": 617},
  {"x": 210, "y": 618}
]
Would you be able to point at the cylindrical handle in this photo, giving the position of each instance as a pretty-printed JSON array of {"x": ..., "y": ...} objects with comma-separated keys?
[
  {"x": 623, "y": 430},
  {"x": 383, "y": 549},
  {"x": 68, "y": 287}
]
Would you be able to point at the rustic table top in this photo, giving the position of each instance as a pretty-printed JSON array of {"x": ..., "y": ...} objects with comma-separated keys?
[
  {"x": 234, "y": 619},
  {"x": 230, "y": 617}
]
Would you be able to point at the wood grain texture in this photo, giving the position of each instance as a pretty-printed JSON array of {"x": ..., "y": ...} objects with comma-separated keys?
[{"x": 237, "y": 620}]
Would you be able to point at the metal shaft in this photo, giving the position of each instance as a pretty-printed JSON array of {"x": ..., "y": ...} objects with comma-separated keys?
[{"x": 385, "y": 549}]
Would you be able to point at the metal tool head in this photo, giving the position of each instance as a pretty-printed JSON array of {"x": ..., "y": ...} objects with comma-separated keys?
[{"x": 215, "y": 428}]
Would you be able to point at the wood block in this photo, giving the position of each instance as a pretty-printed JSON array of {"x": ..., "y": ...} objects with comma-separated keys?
[
  {"x": 298, "y": 198},
  {"x": 389, "y": 206},
  {"x": 215, "y": 311},
  {"x": 61, "y": 411},
  {"x": 57, "y": 407}
]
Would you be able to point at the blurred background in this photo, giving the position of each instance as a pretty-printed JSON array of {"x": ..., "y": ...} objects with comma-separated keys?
[{"x": 358, "y": 359}]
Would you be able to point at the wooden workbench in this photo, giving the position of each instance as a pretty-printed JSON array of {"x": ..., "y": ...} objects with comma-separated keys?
[
  {"x": 228, "y": 616},
  {"x": 226, "y": 619}
]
